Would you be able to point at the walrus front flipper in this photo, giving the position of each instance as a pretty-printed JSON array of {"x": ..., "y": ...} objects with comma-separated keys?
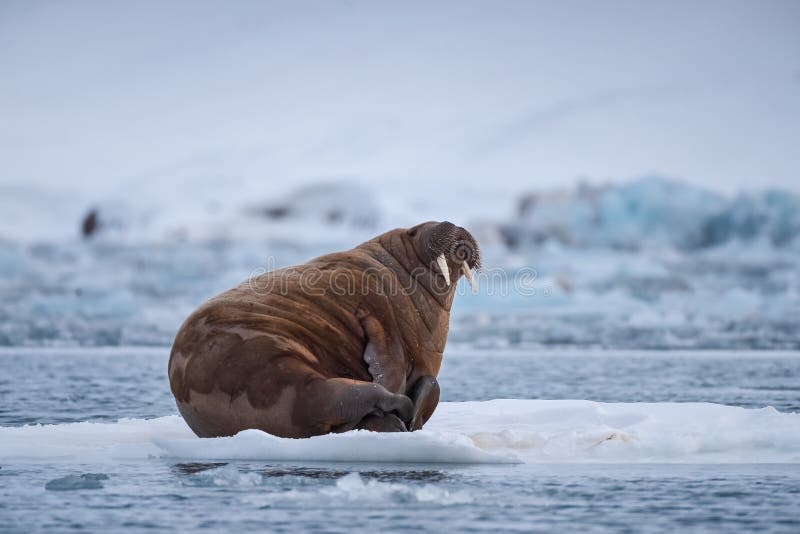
[
  {"x": 383, "y": 354},
  {"x": 425, "y": 396}
]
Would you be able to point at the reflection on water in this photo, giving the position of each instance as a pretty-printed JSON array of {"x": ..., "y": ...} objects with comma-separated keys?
[
  {"x": 192, "y": 468},
  {"x": 282, "y": 471},
  {"x": 303, "y": 472},
  {"x": 322, "y": 473}
]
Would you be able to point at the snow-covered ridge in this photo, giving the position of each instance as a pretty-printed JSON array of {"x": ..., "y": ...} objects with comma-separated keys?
[{"x": 498, "y": 431}]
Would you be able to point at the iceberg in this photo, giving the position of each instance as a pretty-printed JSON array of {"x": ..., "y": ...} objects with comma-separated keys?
[
  {"x": 652, "y": 212},
  {"x": 771, "y": 216}
]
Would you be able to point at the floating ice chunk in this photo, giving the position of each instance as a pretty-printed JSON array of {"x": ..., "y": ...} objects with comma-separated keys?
[
  {"x": 358, "y": 488},
  {"x": 226, "y": 476},
  {"x": 77, "y": 482},
  {"x": 353, "y": 487}
]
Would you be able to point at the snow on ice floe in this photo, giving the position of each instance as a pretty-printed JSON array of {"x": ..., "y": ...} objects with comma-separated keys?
[{"x": 498, "y": 431}]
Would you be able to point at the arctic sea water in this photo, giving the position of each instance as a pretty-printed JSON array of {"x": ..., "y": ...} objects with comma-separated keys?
[{"x": 92, "y": 441}]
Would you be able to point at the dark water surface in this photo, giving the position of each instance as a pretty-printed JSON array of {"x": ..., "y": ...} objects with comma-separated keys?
[
  {"x": 288, "y": 498},
  {"x": 104, "y": 384},
  {"x": 62, "y": 386}
]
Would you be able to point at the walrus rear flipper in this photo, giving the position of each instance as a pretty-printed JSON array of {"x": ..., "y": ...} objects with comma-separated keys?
[
  {"x": 346, "y": 402},
  {"x": 388, "y": 422},
  {"x": 425, "y": 396}
]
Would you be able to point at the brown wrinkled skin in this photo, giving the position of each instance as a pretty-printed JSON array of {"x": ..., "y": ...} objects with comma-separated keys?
[{"x": 348, "y": 340}]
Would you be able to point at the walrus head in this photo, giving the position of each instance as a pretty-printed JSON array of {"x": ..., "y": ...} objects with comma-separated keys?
[{"x": 447, "y": 250}]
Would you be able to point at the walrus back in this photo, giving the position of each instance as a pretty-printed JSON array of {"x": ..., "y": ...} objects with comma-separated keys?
[{"x": 274, "y": 336}]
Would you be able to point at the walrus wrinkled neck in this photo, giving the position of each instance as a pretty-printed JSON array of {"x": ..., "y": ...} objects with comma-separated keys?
[{"x": 404, "y": 255}]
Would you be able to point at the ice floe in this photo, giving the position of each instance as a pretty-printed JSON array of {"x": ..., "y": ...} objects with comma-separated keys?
[{"x": 498, "y": 431}]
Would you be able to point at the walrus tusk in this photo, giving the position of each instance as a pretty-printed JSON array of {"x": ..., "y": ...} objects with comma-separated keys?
[
  {"x": 470, "y": 279},
  {"x": 443, "y": 267}
]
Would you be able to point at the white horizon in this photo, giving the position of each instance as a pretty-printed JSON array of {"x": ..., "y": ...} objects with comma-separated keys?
[{"x": 99, "y": 98}]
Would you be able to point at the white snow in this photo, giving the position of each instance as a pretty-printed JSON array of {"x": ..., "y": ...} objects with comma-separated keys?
[{"x": 498, "y": 431}]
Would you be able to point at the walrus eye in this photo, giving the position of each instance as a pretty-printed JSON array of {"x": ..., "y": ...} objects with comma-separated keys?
[
  {"x": 442, "y": 263},
  {"x": 462, "y": 252}
]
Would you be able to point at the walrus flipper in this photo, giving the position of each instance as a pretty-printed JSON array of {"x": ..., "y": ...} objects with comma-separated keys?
[
  {"x": 383, "y": 354},
  {"x": 425, "y": 396},
  {"x": 352, "y": 401},
  {"x": 388, "y": 422}
]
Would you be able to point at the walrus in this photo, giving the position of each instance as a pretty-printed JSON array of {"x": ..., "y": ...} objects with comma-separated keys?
[{"x": 349, "y": 340}]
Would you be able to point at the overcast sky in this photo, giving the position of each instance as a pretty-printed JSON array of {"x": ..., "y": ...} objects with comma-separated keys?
[{"x": 511, "y": 95}]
